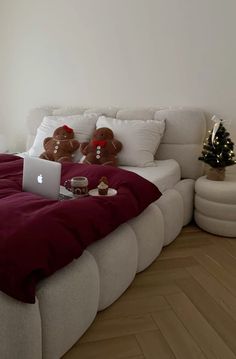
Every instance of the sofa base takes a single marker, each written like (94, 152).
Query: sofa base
(67, 302)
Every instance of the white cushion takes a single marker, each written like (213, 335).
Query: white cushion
(172, 208)
(149, 230)
(186, 190)
(20, 330)
(73, 291)
(140, 139)
(183, 126)
(186, 155)
(68, 111)
(215, 205)
(83, 126)
(116, 256)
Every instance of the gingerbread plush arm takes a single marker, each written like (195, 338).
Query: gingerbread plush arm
(45, 141)
(85, 148)
(117, 146)
(74, 144)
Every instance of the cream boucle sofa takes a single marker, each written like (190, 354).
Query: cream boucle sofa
(67, 302)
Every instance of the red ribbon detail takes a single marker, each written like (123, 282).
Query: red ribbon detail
(67, 129)
(99, 143)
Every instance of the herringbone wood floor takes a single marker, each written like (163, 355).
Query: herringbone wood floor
(183, 306)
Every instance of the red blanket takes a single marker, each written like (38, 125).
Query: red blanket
(38, 236)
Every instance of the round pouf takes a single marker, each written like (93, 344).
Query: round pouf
(215, 205)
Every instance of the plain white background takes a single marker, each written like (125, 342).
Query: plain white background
(116, 52)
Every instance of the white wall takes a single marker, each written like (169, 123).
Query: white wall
(116, 52)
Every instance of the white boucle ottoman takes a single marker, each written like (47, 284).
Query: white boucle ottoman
(215, 205)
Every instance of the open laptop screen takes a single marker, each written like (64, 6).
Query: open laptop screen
(41, 177)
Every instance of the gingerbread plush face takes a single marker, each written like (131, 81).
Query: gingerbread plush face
(63, 133)
(103, 133)
(61, 146)
(102, 149)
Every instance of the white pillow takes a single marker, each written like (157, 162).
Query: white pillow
(140, 139)
(83, 126)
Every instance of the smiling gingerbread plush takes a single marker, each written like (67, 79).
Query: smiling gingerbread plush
(61, 146)
(102, 149)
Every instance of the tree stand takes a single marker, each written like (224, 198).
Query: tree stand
(216, 173)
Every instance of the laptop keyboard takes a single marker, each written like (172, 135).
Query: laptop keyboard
(63, 197)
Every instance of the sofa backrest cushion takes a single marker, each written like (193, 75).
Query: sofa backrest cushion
(183, 138)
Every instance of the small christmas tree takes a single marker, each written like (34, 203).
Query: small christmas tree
(218, 150)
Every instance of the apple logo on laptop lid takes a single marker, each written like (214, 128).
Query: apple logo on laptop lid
(40, 179)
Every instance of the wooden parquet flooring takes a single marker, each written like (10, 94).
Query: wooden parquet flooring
(183, 306)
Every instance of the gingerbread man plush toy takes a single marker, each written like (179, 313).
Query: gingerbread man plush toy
(61, 146)
(102, 149)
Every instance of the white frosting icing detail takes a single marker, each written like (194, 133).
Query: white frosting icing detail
(102, 185)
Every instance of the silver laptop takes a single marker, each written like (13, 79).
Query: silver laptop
(43, 177)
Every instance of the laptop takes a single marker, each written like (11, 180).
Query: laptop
(43, 177)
